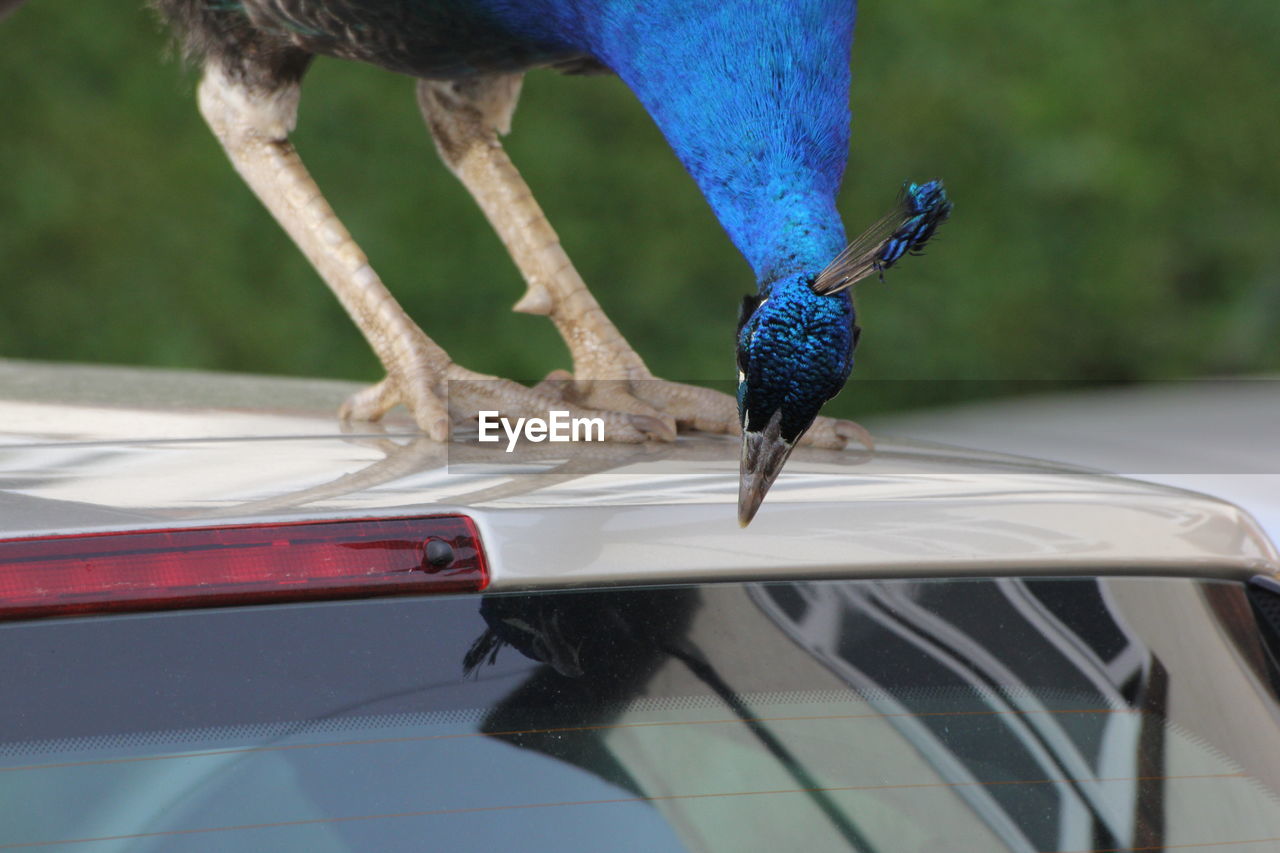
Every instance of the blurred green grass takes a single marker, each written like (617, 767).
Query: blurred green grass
(1114, 167)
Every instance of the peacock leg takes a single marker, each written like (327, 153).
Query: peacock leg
(466, 118)
(253, 124)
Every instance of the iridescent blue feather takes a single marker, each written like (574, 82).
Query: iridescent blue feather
(921, 208)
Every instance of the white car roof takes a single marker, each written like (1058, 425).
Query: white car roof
(1216, 436)
(92, 449)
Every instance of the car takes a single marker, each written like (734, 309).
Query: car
(1211, 435)
(228, 622)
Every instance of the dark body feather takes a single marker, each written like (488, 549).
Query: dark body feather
(270, 41)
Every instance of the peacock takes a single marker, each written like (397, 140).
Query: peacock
(752, 96)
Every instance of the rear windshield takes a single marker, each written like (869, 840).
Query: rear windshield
(949, 715)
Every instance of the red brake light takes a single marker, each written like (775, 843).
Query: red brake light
(293, 561)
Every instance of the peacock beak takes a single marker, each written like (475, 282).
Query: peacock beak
(763, 455)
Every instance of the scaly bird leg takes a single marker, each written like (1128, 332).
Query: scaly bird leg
(253, 127)
(466, 117)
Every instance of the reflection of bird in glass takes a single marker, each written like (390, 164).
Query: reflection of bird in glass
(576, 634)
(753, 97)
(601, 649)
(536, 627)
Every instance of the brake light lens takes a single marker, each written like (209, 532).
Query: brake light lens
(245, 564)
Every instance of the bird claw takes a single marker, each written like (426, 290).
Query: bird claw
(369, 404)
(427, 408)
(634, 411)
(469, 393)
(692, 407)
(697, 408)
(614, 396)
(836, 434)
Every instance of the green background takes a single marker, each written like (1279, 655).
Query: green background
(1115, 167)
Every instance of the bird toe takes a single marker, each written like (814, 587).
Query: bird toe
(835, 434)
(370, 404)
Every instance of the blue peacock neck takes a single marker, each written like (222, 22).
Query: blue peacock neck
(760, 122)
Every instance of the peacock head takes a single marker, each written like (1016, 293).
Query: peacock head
(796, 340)
(795, 351)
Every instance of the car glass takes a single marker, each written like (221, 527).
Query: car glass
(961, 715)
